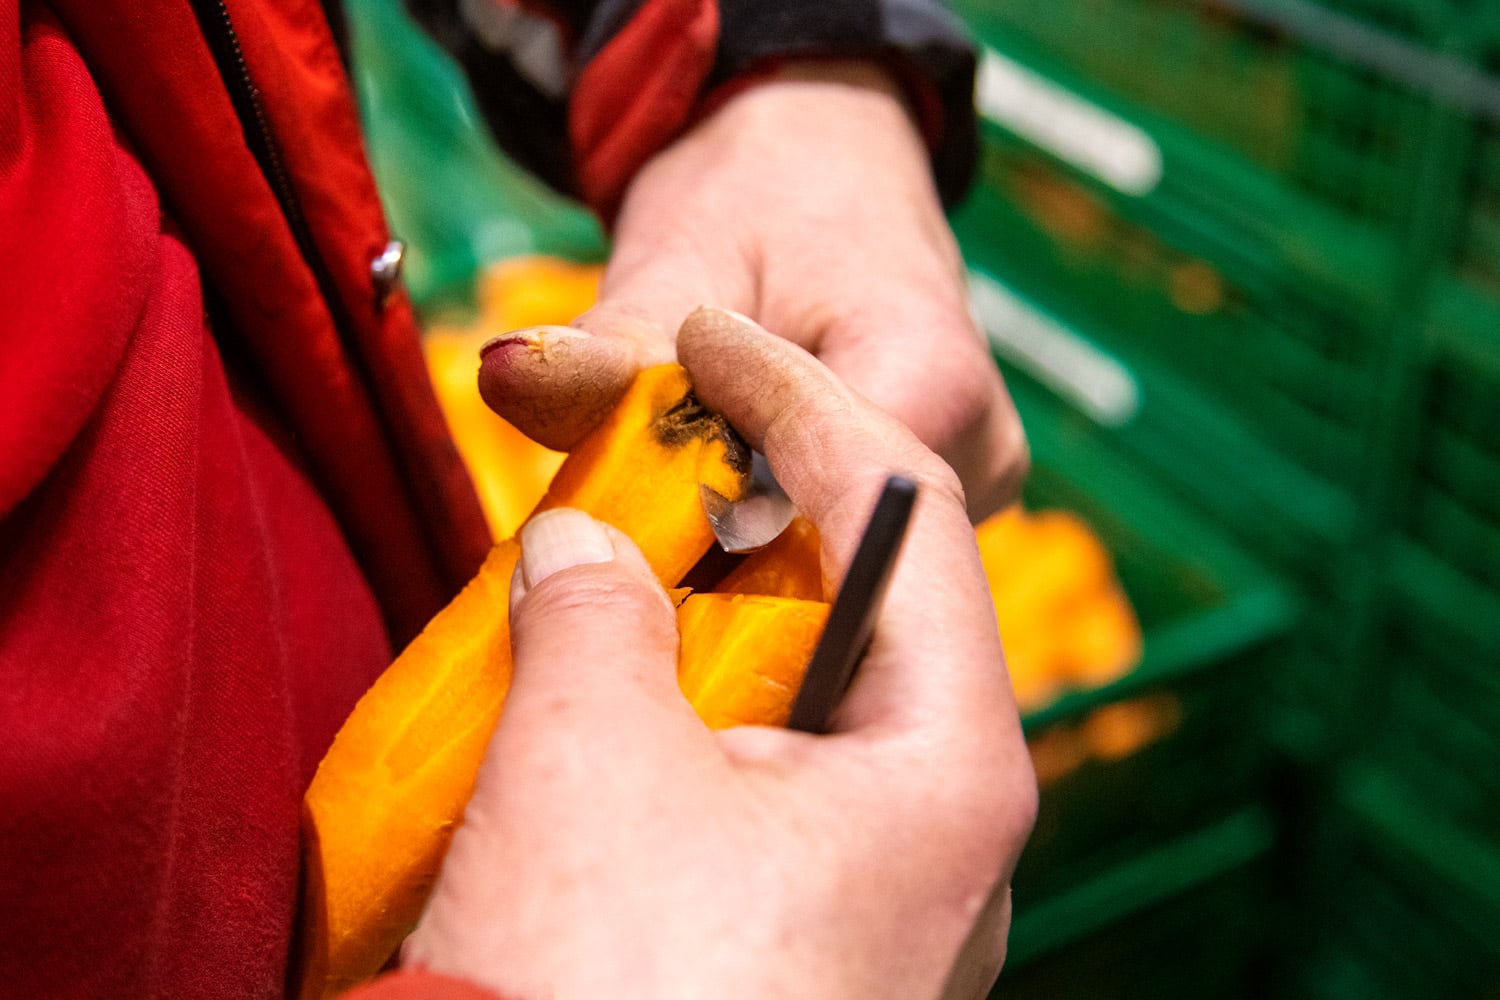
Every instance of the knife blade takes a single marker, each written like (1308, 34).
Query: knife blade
(755, 519)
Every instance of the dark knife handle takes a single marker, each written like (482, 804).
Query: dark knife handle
(851, 621)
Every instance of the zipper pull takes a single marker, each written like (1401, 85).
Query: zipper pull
(385, 270)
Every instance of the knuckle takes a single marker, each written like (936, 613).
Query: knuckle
(997, 808)
(940, 477)
(1017, 454)
(810, 422)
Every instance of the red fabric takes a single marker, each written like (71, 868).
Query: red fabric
(199, 530)
(305, 93)
(415, 984)
(331, 388)
(638, 93)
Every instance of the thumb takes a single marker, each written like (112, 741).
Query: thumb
(594, 646)
(592, 723)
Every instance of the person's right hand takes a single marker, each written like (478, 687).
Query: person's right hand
(806, 202)
(616, 847)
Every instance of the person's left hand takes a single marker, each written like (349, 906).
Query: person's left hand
(615, 846)
(807, 203)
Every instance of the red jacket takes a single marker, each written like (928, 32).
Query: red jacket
(215, 517)
(219, 510)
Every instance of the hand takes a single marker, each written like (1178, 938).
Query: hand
(616, 847)
(806, 203)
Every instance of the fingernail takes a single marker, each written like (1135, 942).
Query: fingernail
(739, 316)
(532, 338)
(739, 319)
(561, 539)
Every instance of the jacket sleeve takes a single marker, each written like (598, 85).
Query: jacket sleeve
(583, 92)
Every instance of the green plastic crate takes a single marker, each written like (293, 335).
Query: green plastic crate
(1208, 613)
(1449, 558)
(1267, 121)
(1107, 811)
(1290, 365)
(1396, 906)
(1441, 745)
(1434, 657)
(1454, 513)
(1241, 79)
(1199, 597)
(1264, 450)
(1244, 76)
(1468, 294)
(1376, 928)
(1478, 260)
(1439, 731)
(1182, 920)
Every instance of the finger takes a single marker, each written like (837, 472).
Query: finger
(557, 382)
(594, 648)
(935, 656)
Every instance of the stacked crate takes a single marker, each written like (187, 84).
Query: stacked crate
(1251, 248)
(1152, 834)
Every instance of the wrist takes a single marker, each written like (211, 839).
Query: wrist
(888, 77)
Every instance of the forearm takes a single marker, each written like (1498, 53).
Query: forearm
(585, 93)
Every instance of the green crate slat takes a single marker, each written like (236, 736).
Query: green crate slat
(1439, 746)
(1184, 433)
(1476, 261)
(1135, 894)
(1467, 542)
(1372, 942)
(1446, 630)
(1439, 727)
(1460, 612)
(1451, 873)
(1107, 811)
(1208, 613)
(1459, 465)
(1452, 519)
(1394, 903)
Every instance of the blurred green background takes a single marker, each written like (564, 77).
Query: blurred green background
(1240, 263)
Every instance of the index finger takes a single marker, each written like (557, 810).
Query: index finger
(556, 383)
(935, 657)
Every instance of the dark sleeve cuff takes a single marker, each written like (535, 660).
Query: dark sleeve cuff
(584, 92)
(674, 60)
(920, 42)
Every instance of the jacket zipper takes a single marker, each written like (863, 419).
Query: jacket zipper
(218, 31)
(217, 26)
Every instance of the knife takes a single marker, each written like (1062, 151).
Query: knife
(851, 620)
(755, 519)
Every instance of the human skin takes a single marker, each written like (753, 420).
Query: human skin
(805, 202)
(617, 847)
